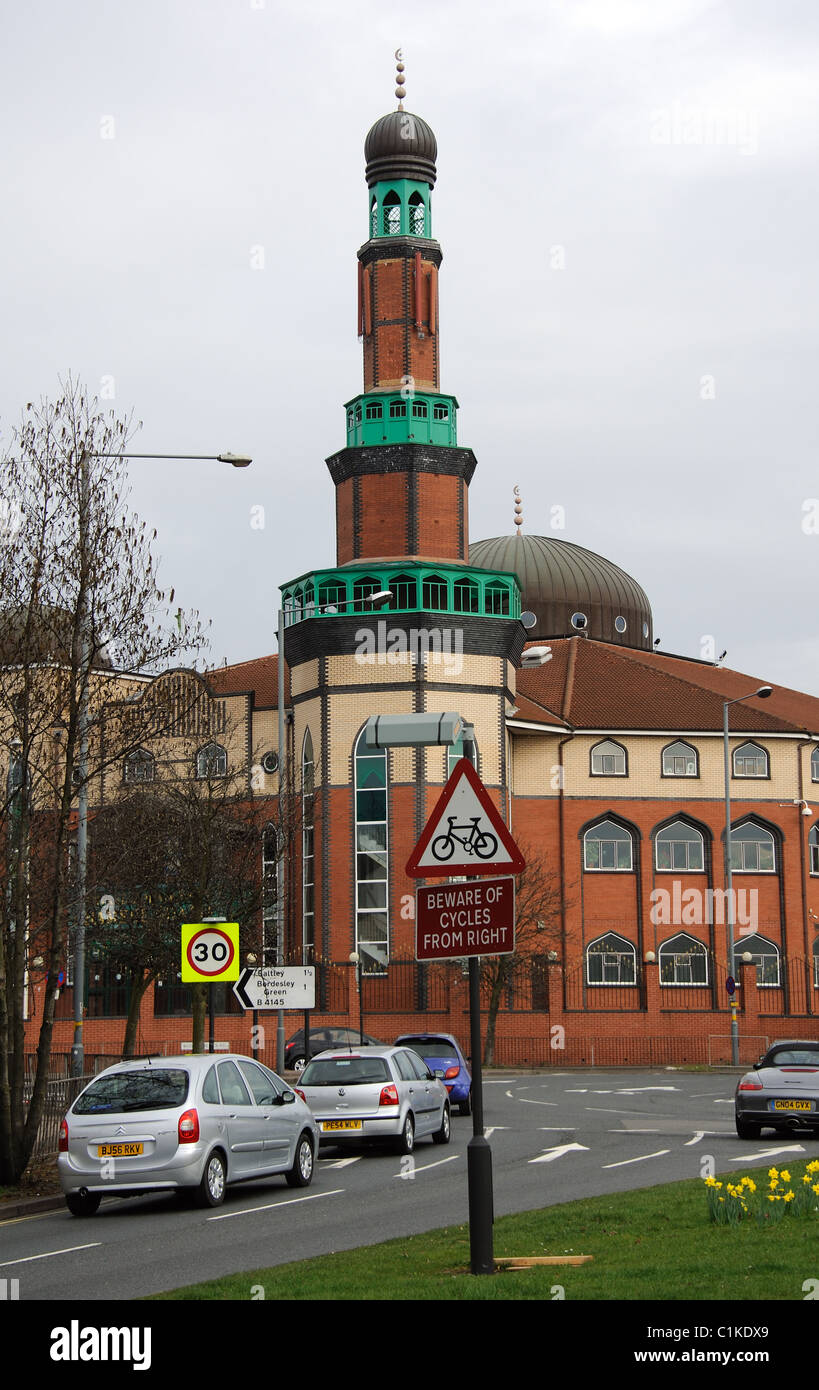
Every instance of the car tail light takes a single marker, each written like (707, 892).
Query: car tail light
(389, 1095)
(62, 1146)
(300, 1093)
(750, 1086)
(450, 1072)
(189, 1127)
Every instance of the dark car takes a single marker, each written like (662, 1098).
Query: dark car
(445, 1059)
(320, 1040)
(782, 1091)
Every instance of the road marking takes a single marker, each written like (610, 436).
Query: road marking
(524, 1100)
(46, 1255)
(698, 1135)
(641, 1159)
(560, 1129)
(427, 1166)
(249, 1211)
(634, 1131)
(35, 1216)
(637, 1090)
(340, 1162)
(768, 1153)
(559, 1151)
(700, 1095)
(492, 1128)
(723, 1102)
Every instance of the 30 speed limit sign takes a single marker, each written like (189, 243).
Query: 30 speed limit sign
(210, 951)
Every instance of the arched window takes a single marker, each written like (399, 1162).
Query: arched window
(611, 960)
(681, 847)
(608, 759)
(816, 963)
(417, 213)
(270, 892)
(398, 410)
(362, 588)
(139, 766)
(211, 761)
(680, 760)
(420, 410)
(330, 593)
(750, 761)
(375, 410)
(466, 596)
(814, 765)
(308, 863)
(404, 588)
(752, 849)
(607, 847)
(374, 217)
(813, 846)
(391, 225)
(497, 598)
(372, 850)
(765, 956)
(683, 961)
(435, 592)
(440, 411)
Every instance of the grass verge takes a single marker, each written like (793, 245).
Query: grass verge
(653, 1243)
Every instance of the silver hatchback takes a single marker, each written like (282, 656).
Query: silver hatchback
(376, 1093)
(191, 1122)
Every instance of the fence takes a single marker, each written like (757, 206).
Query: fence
(60, 1094)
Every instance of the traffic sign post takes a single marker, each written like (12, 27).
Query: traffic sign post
(210, 952)
(277, 987)
(466, 835)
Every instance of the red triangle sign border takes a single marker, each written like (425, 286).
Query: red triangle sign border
(514, 865)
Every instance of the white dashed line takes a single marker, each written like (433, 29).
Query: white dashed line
(641, 1159)
(46, 1255)
(271, 1206)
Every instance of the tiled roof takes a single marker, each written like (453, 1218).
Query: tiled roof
(596, 685)
(260, 677)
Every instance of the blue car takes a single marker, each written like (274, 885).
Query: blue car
(443, 1056)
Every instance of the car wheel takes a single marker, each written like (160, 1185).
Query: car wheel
(465, 1106)
(298, 1063)
(301, 1174)
(442, 1135)
(211, 1190)
(406, 1143)
(748, 1129)
(82, 1203)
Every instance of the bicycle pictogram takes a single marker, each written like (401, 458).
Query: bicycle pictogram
(479, 842)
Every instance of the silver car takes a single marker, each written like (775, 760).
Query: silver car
(375, 1093)
(192, 1122)
(782, 1091)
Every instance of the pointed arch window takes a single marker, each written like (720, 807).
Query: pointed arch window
(417, 213)
(683, 961)
(331, 592)
(372, 857)
(270, 892)
(435, 593)
(611, 960)
(765, 956)
(750, 760)
(607, 847)
(139, 766)
(308, 862)
(404, 588)
(608, 759)
(211, 762)
(814, 765)
(391, 209)
(813, 847)
(466, 596)
(680, 760)
(679, 847)
(362, 588)
(752, 849)
(374, 217)
(375, 410)
(497, 598)
(816, 963)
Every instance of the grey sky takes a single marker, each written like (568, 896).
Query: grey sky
(627, 207)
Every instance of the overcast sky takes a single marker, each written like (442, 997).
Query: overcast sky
(627, 207)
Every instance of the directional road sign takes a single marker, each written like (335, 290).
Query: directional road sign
(465, 919)
(277, 987)
(210, 951)
(465, 833)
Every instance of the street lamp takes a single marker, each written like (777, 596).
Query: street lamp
(355, 959)
(376, 600)
(78, 1048)
(761, 693)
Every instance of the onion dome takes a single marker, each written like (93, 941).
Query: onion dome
(570, 590)
(400, 146)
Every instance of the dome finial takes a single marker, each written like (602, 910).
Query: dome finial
(400, 89)
(518, 508)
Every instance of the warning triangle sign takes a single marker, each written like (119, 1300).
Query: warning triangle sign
(465, 833)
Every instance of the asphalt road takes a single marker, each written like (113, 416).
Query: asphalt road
(555, 1136)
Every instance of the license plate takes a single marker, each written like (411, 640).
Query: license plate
(791, 1104)
(118, 1150)
(327, 1125)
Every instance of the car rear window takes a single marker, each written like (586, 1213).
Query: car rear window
(345, 1071)
(429, 1047)
(157, 1089)
(795, 1057)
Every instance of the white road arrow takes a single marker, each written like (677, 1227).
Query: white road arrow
(558, 1152)
(768, 1153)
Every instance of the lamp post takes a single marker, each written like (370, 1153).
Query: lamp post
(355, 959)
(762, 692)
(376, 600)
(236, 461)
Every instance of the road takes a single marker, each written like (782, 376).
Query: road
(555, 1136)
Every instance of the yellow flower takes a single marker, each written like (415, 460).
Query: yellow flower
(785, 1175)
(711, 1182)
(789, 1196)
(749, 1183)
(773, 1172)
(814, 1166)
(815, 1188)
(806, 1177)
(771, 1197)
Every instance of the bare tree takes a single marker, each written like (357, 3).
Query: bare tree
(80, 612)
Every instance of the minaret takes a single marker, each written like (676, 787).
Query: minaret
(401, 482)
